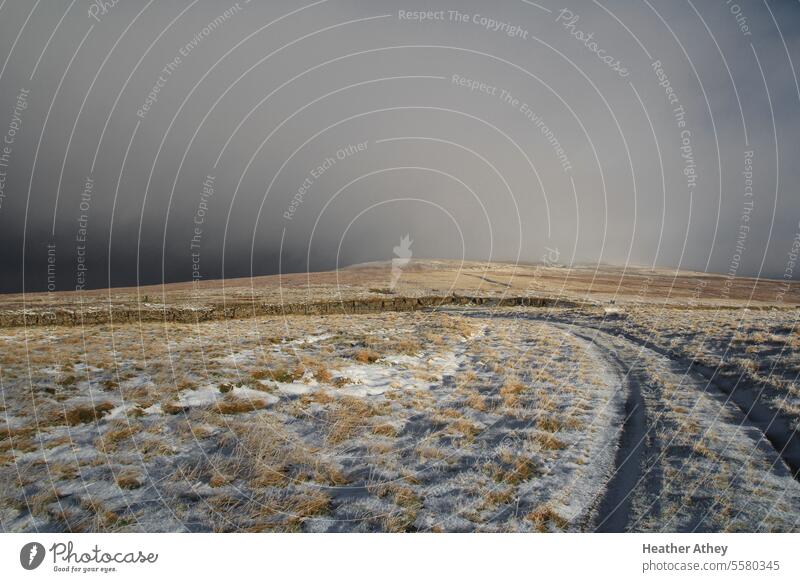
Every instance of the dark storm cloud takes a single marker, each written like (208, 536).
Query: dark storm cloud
(164, 140)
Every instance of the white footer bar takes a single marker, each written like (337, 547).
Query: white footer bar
(386, 557)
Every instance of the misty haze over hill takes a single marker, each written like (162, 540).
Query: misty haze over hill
(148, 142)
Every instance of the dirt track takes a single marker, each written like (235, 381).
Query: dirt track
(691, 447)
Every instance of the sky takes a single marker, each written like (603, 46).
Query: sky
(147, 142)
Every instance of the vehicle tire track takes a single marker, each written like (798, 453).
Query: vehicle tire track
(710, 447)
(745, 396)
(612, 510)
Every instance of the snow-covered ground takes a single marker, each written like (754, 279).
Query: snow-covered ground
(463, 420)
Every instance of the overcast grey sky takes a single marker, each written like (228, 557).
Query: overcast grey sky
(150, 141)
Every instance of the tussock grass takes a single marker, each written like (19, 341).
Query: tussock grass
(366, 356)
(430, 452)
(521, 469)
(544, 518)
(399, 522)
(128, 479)
(119, 431)
(465, 427)
(319, 396)
(407, 346)
(266, 456)
(39, 503)
(347, 418)
(282, 375)
(233, 405)
(477, 402)
(219, 480)
(303, 506)
(173, 408)
(406, 499)
(548, 442)
(501, 496)
(83, 413)
(510, 392)
(322, 374)
(549, 423)
(386, 430)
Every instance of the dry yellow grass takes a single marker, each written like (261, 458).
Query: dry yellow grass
(476, 402)
(322, 374)
(319, 396)
(270, 476)
(510, 392)
(347, 418)
(128, 479)
(83, 413)
(218, 480)
(465, 427)
(407, 346)
(386, 430)
(544, 518)
(548, 442)
(303, 506)
(366, 356)
(233, 405)
(120, 431)
(267, 457)
(429, 452)
(549, 423)
(173, 408)
(501, 496)
(522, 469)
